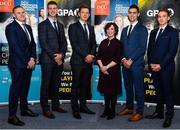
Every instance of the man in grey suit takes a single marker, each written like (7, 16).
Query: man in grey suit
(53, 43)
(82, 39)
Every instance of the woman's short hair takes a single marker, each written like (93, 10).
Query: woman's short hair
(108, 25)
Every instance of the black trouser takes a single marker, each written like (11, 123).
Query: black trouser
(19, 88)
(80, 86)
(110, 103)
(163, 81)
(51, 74)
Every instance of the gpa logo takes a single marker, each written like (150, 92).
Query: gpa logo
(67, 12)
(152, 13)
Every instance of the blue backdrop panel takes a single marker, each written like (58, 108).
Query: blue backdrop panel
(5, 79)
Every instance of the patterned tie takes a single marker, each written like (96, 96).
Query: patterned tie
(129, 31)
(55, 27)
(85, 31)
(27, 34)
(159, 34)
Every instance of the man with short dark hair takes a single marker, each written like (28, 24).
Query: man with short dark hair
(162, 49)
(54, 45)
(134, 39)
(22, 56)
(82, 39)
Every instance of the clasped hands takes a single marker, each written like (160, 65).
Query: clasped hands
(89, 58)
(58, 58)
(104, 70)
(31, 63)
(155, 67)
(127, 63)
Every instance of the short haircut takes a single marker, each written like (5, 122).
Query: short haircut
(134, 7)
(108, 25)
(16, 7)
(83, 6)
(51, 3)
(164, 9)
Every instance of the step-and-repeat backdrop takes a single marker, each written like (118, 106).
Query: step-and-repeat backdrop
(102, 11)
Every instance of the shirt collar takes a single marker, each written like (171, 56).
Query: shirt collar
(82, 22)
(19, 22)
(134, 24)
(163, 27)
(52, 20)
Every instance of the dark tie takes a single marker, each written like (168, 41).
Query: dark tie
(55, 27)
(159, 34)
(129, 31)
(25, 30)
(85, 31)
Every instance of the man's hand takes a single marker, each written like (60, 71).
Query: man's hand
(89, 58)
(31, 63)
(155, 67)
(58, 58)
(127, 63)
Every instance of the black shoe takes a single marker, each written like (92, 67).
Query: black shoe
(49, 114)
(59, 109)
(86, 110)
(155, 115)
(110, 117)
(167, 122)
(29, 113)
(14, 120)
(104, 114)
(76, 115)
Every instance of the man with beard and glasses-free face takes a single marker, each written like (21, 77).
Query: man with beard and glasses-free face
(162, 49)
(22, 55)
(53, 43)
(82, 39)
(134, 39)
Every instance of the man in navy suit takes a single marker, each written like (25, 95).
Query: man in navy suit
(22, 56)
(162, 49)
(134, 39)
(53, 43)
(82, 39)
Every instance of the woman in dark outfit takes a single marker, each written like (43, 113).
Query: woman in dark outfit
(109, 59)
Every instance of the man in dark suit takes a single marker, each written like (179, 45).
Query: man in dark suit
(162, 49)
(53, 43)
(134, 39)
(22, 55)
(82, 39)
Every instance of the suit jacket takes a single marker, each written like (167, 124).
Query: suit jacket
(81, 46)
(50, 41)
(20, 50)
(135, 46)
(163, 51)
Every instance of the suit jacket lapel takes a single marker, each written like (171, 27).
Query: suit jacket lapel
(21, 29)
(50, 25)
(134, 29)
(82, 29)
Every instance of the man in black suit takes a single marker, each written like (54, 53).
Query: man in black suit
(22, 55)
(53, 43)
(162, 49)
(82, 39)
